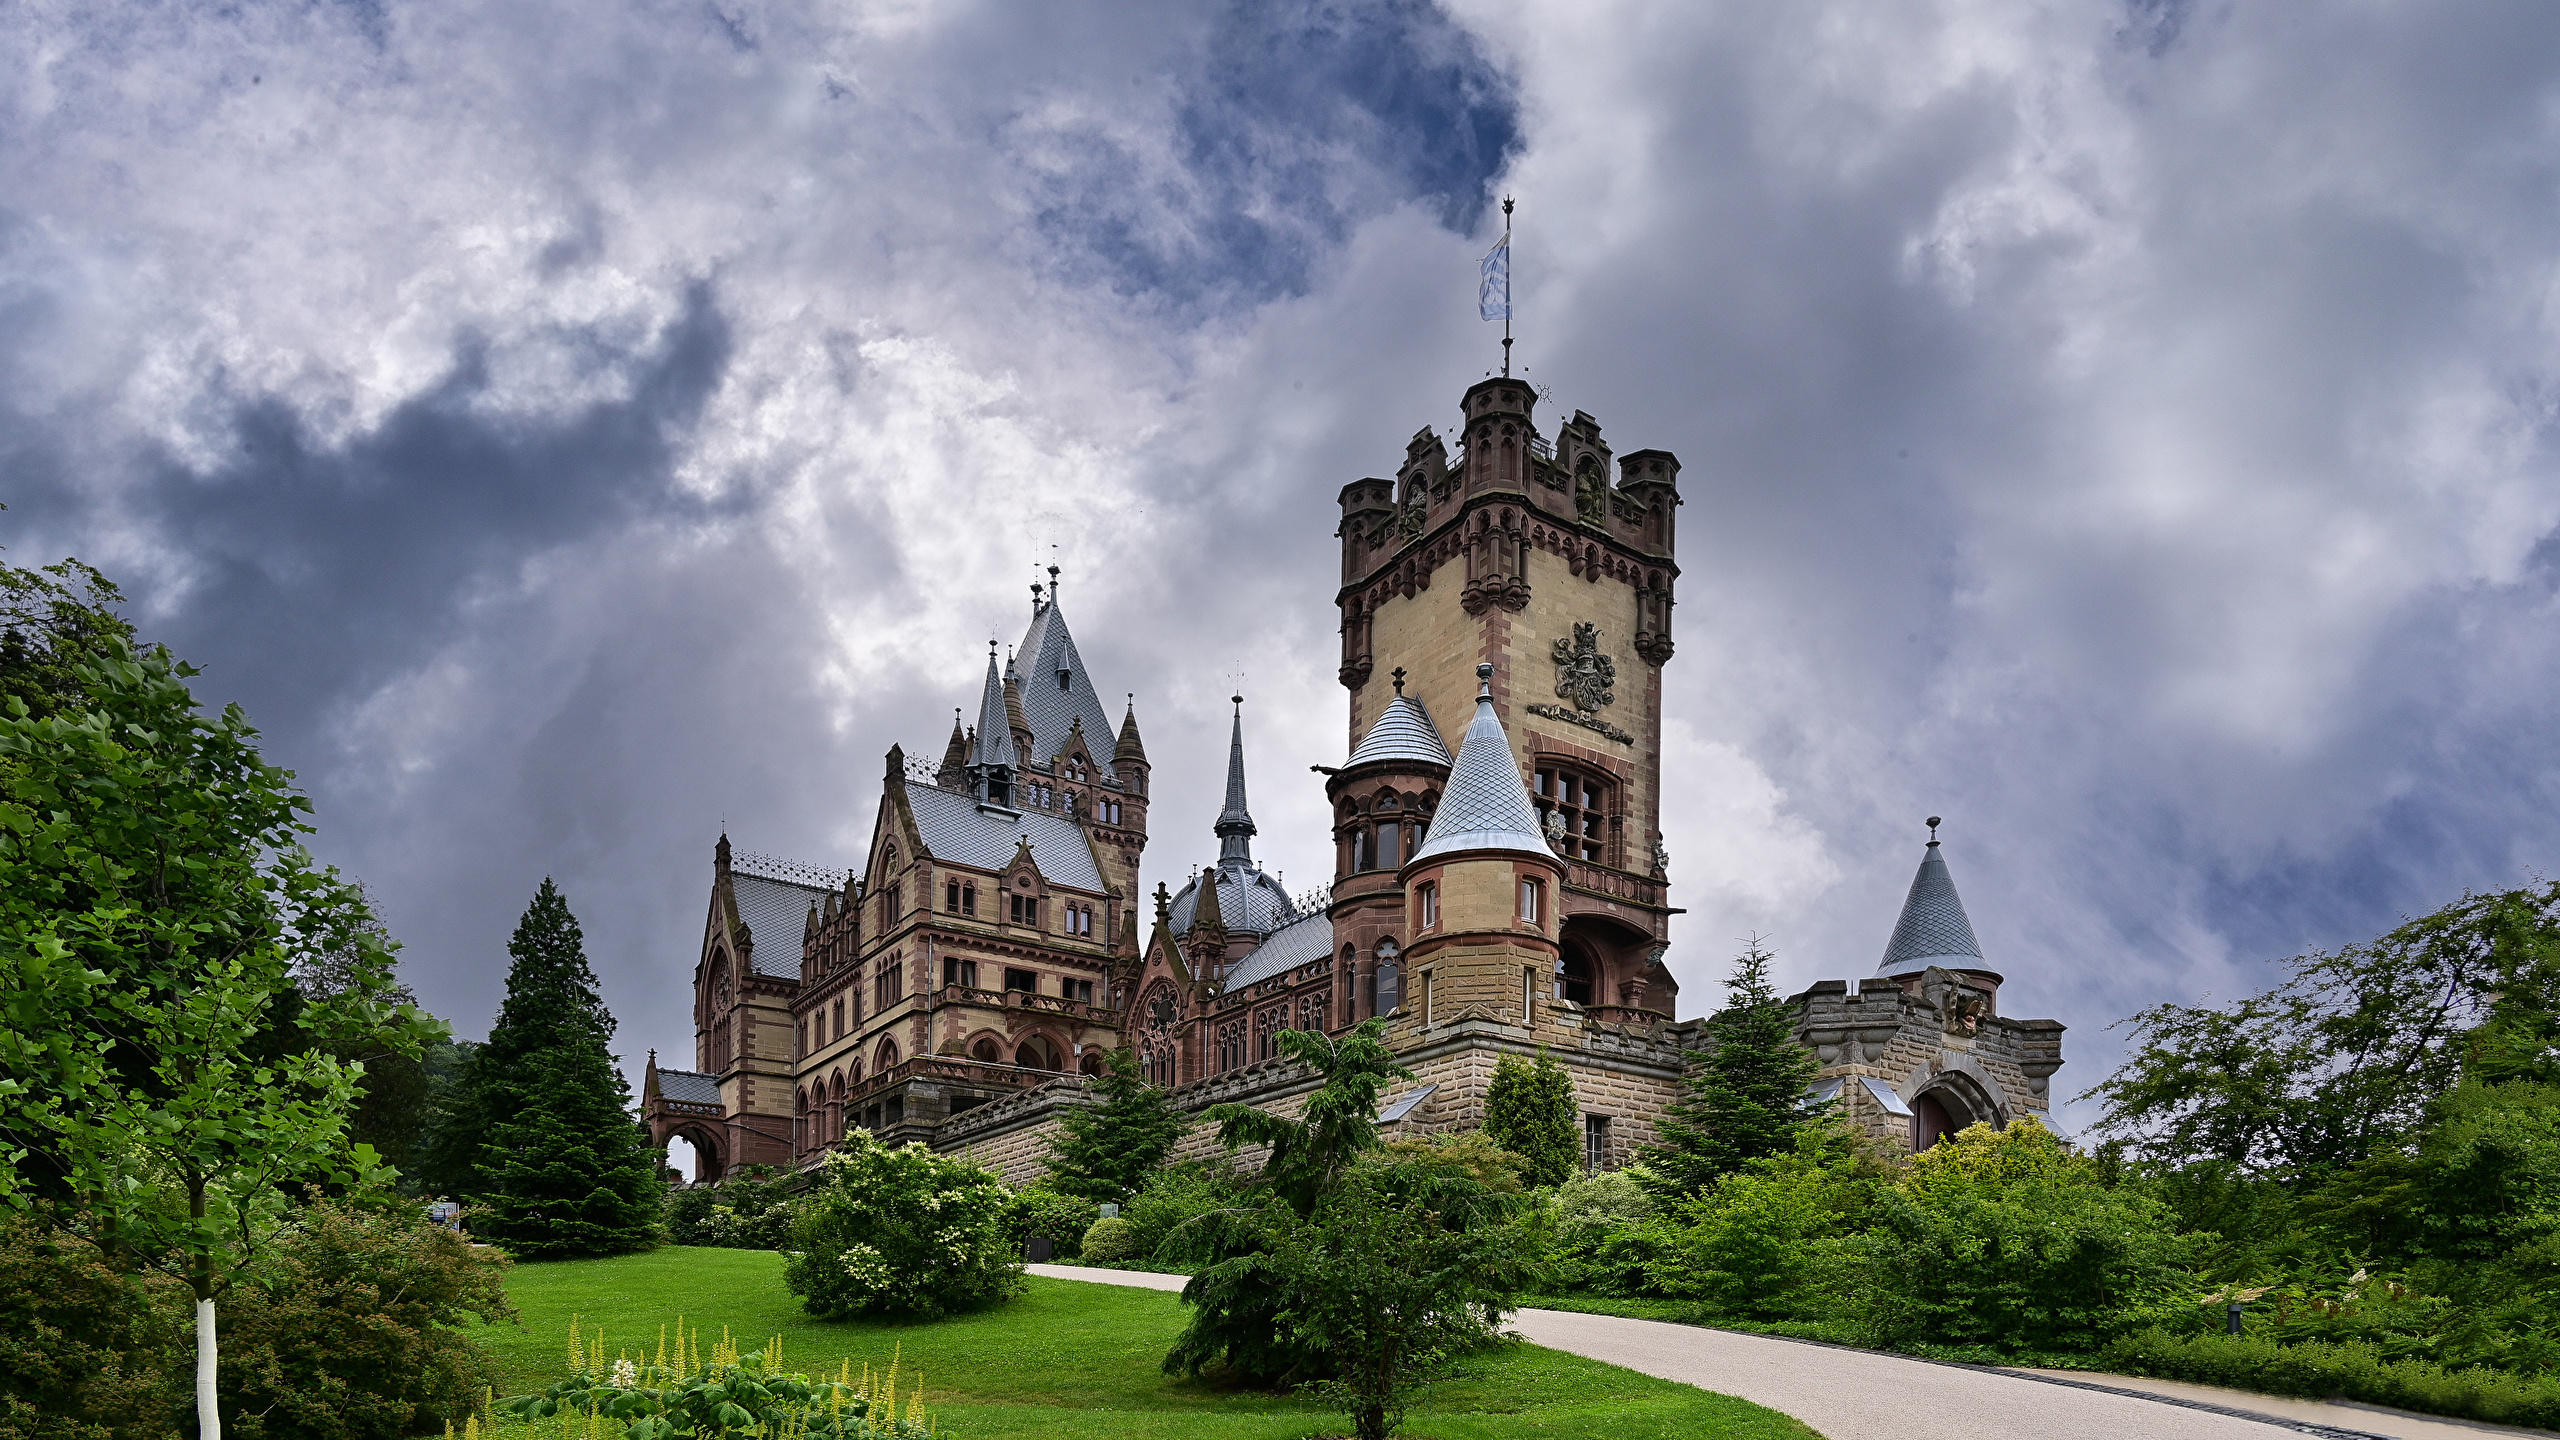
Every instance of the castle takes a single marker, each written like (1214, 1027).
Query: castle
(1500, 884)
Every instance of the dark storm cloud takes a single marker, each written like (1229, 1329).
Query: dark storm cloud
(2122, 429)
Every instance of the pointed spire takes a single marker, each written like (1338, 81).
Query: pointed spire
(1235, 823)
(955, 756)
(1486, 807)
(1015, 721)
(1208, 914)
(720, 852)
(1934, 929)
(995, 730)
(1130, 747)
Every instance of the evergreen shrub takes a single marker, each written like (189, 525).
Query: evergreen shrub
(1109, 1241)
(903, 1234)
(1591, 1220)
(1170, 1200)
(1037, 1210)
(1530, 1111)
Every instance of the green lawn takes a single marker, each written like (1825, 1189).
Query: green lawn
(1069, 1359)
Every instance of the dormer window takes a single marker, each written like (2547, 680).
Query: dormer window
(1066, 677)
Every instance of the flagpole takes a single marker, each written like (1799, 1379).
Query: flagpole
(1506, 286)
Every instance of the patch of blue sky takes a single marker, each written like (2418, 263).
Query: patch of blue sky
(1293, 124)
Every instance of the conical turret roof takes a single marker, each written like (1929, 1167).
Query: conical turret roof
(1933, 929)
(1485, 807)
(1130, 746)
(1404, 732)
(995, 728)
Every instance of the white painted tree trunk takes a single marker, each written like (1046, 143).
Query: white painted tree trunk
(208, 1419)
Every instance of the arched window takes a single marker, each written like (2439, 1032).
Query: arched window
(1574, 807)
(886, 1058)
(984, 1048)
(1091, 1064)
(1577, 979)
(1037, 1052)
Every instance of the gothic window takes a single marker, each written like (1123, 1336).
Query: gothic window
(1575, 978)
(800, 1040)
(1573, 805)
(1157, 1014)
(1311, 1012)
(1266, 1031)
(1038, 1053)
(837, 1031)
(963, 973)
(1231, 1043)
(886, 1058)
(985, 1049)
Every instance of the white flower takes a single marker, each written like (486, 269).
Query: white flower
(625, 1375)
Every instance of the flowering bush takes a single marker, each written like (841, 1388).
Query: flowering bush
(902, 1233)
(725, 1396)
(1040, 1211)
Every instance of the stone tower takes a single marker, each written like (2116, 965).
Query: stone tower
(1523, 553)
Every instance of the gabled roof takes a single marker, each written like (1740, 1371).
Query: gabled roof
(773, 898)
(1302, 941)
(956, 829)
(1933, 929)
(1485, 807)
(1404, 732)
(1051, 709)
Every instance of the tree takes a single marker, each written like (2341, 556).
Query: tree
(1744, 1094)
(54, 621)
(1529, 1110)
(1239, 1303)
(568, 1172)
(155, 900)
(392, 1109)
(560, 1168)
(1108, 1150)
(2344, 1058)
(1389, 1287)
(902, 1233)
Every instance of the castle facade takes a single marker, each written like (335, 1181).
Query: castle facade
(1500, 885)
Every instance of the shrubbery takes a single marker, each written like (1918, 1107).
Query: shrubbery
(352, 1329)
(84, 1353)
(1109, 1241)
(1038, 1211)
(901, 1233)
(2352, 1370)
(747, 1210)
(1170, 1200)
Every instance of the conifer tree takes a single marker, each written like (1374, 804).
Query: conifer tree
(1744, 1093)
(1110, 1149)
(569, 1173)
(1529, 1110)
(540, 1134)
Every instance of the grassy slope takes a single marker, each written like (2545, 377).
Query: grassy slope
(1079, 1360)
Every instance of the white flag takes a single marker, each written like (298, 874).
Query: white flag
(1493, 290)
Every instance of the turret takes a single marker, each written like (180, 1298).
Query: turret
(994, 763)
(1933, 929)
(1482, 891)
(954, 771)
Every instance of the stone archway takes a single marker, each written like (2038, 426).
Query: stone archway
(1951, 1101)
(709, 1163)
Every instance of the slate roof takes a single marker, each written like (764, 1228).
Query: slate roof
(1047, 651)
(1249, 901)
(689, 1087)
(1933, 929)
(1302, 941)
(777, 914)
(955, 829)
(1485, 807)
(1404, 732)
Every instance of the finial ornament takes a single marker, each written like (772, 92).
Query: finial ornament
(1934, 822)
(1484, 680)
(1399, 674)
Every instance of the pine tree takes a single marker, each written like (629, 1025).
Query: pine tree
(1110, 1149)
(551, 997)
(569, 1173)
(1529, 1110)
(1745, 1091)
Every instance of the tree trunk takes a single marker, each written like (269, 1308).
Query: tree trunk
(208, 1418)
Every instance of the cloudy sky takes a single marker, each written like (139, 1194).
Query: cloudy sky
(2122, 428)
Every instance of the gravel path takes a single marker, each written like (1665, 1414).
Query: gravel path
(1861, 1394)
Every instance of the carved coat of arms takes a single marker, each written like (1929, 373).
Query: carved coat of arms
(1584, 675)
